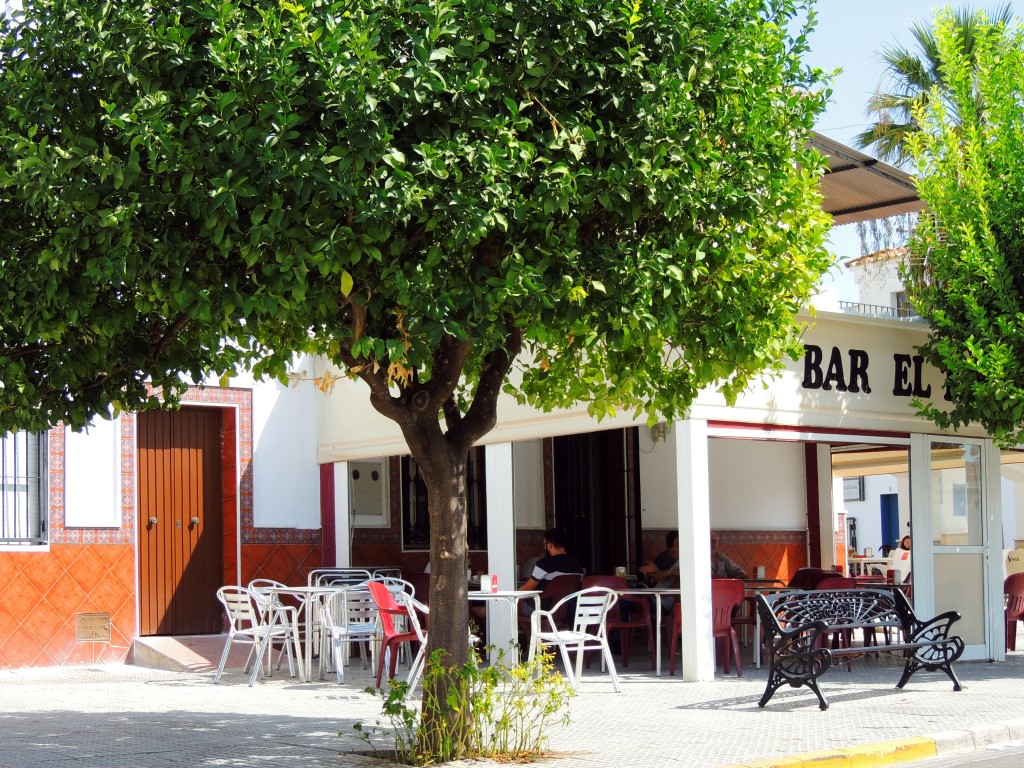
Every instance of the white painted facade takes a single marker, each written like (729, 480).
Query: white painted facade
(741, 466)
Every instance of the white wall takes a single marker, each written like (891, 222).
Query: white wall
(286, 478)
(659, 507)
(757, 484)
(528, 489)
(868, 513)
(92, 475)
(878, 284)
(754, 484)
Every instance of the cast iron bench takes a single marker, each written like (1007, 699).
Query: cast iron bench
(798, 623)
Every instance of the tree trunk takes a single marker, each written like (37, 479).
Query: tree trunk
(445, 476)
(442, 728)
(442, 457)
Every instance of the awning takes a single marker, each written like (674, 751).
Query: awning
(857, 187)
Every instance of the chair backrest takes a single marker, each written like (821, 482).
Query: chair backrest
(262, 585)
(240, 606)
(553, 590)
(615, 584)
(608, 582)
(413, 608)
(396, 585)
(1013, 588)
(590, 609)
(387, 607)
(350, 607)
(808, 578)
(262, 597)
(338, 576)
(837, 582)
(726, 595)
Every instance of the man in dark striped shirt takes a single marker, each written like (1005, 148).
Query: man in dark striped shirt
(555, 563)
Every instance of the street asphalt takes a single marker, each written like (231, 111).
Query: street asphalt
(129, 716)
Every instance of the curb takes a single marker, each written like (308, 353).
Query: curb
(905, 750)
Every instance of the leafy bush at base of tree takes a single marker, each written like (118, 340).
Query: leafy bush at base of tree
(495, 711)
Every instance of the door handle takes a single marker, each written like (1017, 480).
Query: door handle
(152, 521)
(195, 521)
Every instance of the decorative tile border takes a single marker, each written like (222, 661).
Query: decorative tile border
(250, 534)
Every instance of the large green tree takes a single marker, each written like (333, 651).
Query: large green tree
(617, 198)
(966, 275)
(913, 76)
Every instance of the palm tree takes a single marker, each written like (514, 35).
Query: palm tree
(910, 76)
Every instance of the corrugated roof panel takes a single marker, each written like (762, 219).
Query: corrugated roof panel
(857, 187)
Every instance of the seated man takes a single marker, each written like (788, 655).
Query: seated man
(664, 571)
(555, 563)
(722, 565)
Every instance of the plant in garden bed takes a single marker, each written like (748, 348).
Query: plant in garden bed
(497, 711)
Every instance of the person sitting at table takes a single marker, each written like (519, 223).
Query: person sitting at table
(555, 563)
(722, 566)
(664, 571)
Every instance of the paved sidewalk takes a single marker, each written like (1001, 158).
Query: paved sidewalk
(132, 717)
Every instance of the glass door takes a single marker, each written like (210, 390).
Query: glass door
(951, 537)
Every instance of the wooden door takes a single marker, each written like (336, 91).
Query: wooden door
(180, 523)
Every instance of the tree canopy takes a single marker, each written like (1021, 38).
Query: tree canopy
(616, 196)
(966, 275)
(913, 76)
(188, 187)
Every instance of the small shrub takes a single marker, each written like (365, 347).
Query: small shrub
(500, 711)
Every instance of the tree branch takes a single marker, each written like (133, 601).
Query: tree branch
(449, 359)
(483, 413)
(374, 376)
(167, 337)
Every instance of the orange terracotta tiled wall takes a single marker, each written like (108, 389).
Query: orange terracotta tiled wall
(44, 590)
(780, 552)
(43, 594)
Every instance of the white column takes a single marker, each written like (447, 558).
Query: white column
(994, 559)
(828, 518)
(342, 516)
(501, 537)
(694, 509)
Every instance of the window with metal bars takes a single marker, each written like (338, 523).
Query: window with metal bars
(416, 518)
(23, 488)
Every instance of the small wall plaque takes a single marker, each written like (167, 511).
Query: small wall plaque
(92, 627)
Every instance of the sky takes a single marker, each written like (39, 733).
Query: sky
(849, 35)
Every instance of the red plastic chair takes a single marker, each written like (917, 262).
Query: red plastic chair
(639, 615)
(1013, 588)
(726, 595)
(554, 590)
(392, 638)
(808, 578)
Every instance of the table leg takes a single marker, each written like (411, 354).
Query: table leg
(757, 638)
(306, 663)
(657, 636)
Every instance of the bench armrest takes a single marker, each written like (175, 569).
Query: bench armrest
(798, 639)
(934, 629)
